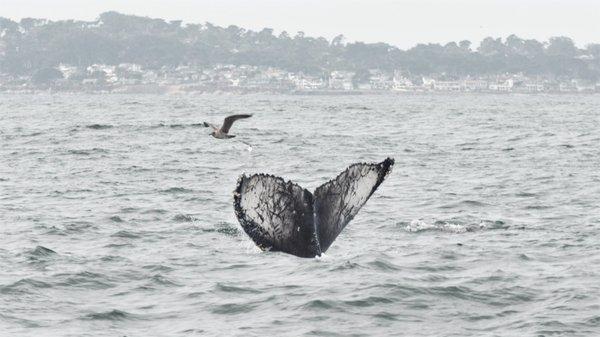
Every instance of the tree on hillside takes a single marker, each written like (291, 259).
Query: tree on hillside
(34, 44)
(46, 75)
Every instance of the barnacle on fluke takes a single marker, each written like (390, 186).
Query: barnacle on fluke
(282, 216)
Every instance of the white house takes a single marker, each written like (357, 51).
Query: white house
(447, 85)
(341, 80)
(475, 85)
(505, 86)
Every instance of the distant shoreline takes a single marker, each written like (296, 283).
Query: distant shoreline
(168, 92)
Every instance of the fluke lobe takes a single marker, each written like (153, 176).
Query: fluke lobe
(279, 215)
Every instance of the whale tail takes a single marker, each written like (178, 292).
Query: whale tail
(282, 216)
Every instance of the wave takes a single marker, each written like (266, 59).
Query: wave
(465, 203)
(85, 280)
(223, 228)
(34, 134)
(183, 218)
(357, 107)
(178, 125)
(79, 227)
(232, 308)
(113, 315)
(87, 152)
(154, 211)
(319, 304)
(79, 152)
(176, 190)
(158, 268)
(163, 281)
(42, 251)
(418, 225)
(369, 301)
(24, 286)
(382, 265)
(115, 218)
(99, 126)
(238, 290)
(125, 234)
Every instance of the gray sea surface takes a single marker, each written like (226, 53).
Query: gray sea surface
(116, 216)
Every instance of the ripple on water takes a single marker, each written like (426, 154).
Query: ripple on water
(115, 218)
(158, 268)
(184, 218)
(87, 152)
(154, 211)
(41, 255)
(235, 289)
(112, 315)
(41, 251)
(161, 280)
(346, 265)
(99, 126)
(126, 234)
(456, 226)
(369, 301)
(84, 280)
(78, 227)
(319, 304)
(223, 228)
(382, 265)
(176, 190)
(232, 308)
(20, 321)
(465, 204)
(24, 286)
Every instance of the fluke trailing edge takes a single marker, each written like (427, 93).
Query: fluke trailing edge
(282, 216)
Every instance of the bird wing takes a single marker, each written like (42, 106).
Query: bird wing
(228, 122)
(214, 127)
(339, 200)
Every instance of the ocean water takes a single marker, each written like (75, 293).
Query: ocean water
(116, 216)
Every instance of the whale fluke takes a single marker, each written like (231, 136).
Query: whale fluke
(279, 215)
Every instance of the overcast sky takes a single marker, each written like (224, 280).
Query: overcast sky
(403, 23)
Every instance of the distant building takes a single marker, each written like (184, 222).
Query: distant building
(534, 87)
(109, 72)
(302, 81)
(428, 83)
(505, 86)
(67, 70)
(401, 83)
(130, 67)
(380, 80)
(567, 86)
(584, 85)
(447, 85)
(341, 80)
(475, 85)
(364, 86)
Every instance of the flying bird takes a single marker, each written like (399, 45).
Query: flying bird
(223, 131)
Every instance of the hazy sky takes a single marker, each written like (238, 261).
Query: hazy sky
(402, 22)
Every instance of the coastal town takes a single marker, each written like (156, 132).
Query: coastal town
(134, 78)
